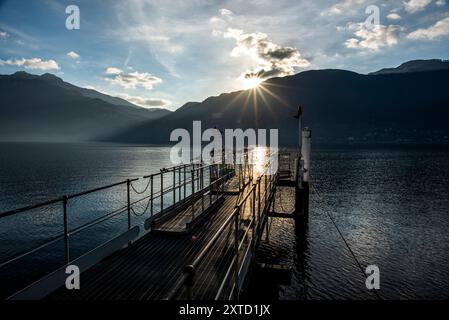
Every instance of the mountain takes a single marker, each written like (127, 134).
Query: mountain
(340, 106)
(90, 93)
(45, 108)
(417, 66)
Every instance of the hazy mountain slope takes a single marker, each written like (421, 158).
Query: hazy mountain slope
(417, 66)
(44, 108)
(339, 106)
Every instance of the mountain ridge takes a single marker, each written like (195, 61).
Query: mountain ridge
(45, 108)
(340, 106)
(419, 65)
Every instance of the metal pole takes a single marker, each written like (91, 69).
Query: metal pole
(265, 195)
(151, 195)
(128, 198)
(236, 253)
(202, 189)
(174, 186)
(240, 175)
(202, 178)
(66, 231)
(253, 207)
(258, 202)
(267, 208)
(202, 201)
(185, 180)
(179, 184)
(162, 191)
(193, 194)
(210, 185)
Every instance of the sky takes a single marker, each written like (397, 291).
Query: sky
(163, 53)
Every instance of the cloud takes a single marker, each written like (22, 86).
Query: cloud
(131, 80)
(440, 2)
(393, 16)
(439, 29)
(272, 60)
(73, 55)
(225, 12)
(33, 63)
(342, 7)
(112, 70)
(375, 38)
(413, 6)
(145, 102)
(4, 35)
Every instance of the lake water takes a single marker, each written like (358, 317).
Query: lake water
(392, 206)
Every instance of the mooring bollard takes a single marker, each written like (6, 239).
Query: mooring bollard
(190, 280)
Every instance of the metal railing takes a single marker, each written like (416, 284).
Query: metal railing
(182, 183)
(210, 193)
(246, 225)
(162, 193)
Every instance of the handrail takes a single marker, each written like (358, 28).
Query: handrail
(54, 201)
(80, 194)
(76, 195)
(28, 208)
(187, 278)
(179, 182)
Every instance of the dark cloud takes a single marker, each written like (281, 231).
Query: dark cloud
(273, 60)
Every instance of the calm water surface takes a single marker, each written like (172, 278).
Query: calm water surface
(392, 205)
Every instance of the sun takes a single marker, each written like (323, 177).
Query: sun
(251, 83)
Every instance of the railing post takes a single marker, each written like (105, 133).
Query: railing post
(66, 230)
(266, 191)
(236, 254)
(210, 185)
(179, 184)
(267, 210)
(202, 201)
(240, 176)
(202, 189)
(128, 200)
(174, 186)
(258, 201)
(253, 208)
(152, 194)
(202, 177)
(193, 194)
(185, 181)
(162, 191)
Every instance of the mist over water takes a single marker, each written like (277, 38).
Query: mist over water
(392, 206)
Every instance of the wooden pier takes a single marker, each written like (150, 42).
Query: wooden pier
(198, 244)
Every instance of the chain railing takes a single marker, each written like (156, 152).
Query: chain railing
(158, 194)
(246, 225)
(181, 183)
